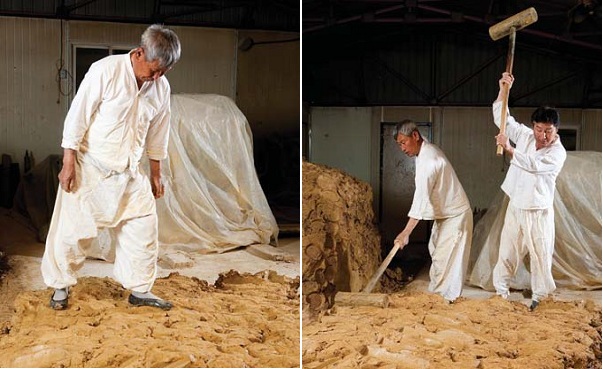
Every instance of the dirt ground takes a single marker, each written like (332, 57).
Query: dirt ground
(421, 330)
(248, 318)
(240, 321)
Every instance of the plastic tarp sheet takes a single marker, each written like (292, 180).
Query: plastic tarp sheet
(213, 200)
(577, 206)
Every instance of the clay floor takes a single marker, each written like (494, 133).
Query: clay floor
(235, 309)
(479, 330)
(250, 318)
(421, 282)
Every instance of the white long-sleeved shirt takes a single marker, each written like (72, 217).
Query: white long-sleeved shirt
(438, 192)
(530, 181)
(111, 120)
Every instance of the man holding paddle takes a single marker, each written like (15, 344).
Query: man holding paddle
(439, 196)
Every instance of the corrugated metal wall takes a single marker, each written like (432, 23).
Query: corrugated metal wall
(32, 109)
(441, 71)
(207, 63)
(465, 134)
(467, 138)
(591, 130)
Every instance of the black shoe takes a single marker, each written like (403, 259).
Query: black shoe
(534, 305)
(59, 304)
(159, 303)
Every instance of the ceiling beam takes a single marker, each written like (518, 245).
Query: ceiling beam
(63, 11)
(545, 86)
(404, 79)
(468, 77)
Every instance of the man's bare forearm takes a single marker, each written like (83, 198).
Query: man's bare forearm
(155, 167)
(67, 173)
(69, 156)
(156, 185)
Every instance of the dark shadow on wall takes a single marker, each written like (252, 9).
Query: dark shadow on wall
(277, 164)
(37, 192)
(9, 180)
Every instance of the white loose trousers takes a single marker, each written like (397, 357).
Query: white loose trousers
(122, 201)
(526, 231)
(449, 247)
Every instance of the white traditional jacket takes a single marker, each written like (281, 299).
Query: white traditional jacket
(438, 192)
(111, 121)
(530, 181)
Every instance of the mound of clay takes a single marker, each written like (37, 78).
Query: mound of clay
(341, 243)
(243, 321)
(421, 330)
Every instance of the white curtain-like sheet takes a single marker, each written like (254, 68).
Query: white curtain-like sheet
(577, 205)
(213, 199)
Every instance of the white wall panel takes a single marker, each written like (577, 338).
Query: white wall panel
(340, 138)
(207, 63)
(31, 110)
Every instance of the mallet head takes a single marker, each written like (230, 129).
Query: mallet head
(518, 21)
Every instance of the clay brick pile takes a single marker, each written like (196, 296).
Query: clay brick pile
(340, 240)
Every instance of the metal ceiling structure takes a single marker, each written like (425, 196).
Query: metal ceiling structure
(276, 15)
(561, 22)
(381, 38)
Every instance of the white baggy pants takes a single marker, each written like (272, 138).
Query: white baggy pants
(449, 247)
(526, 231)
(121, 201)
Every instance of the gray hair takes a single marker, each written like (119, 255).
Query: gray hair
(160, 43)
(406, 128)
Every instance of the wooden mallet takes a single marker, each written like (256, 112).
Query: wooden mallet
(509, 27)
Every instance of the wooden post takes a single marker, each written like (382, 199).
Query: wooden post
(362, 299)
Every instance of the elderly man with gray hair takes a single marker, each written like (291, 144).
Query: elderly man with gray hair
(439, 196)
(121, 110)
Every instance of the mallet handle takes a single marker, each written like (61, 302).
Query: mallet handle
(505, 102)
